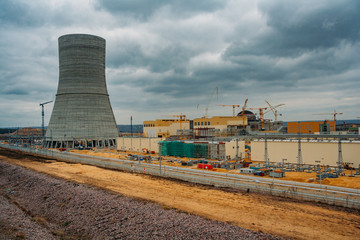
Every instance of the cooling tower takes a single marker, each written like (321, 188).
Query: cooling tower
(82, 111)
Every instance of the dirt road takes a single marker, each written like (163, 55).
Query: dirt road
(277, 216)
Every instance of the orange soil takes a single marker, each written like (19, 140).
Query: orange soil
(343, 181)
(277, 216)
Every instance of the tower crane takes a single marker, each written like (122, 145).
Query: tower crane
(334, 114)
(181, 117)
(216, 89)
(273, 109)
(42, 115)
(261, 114)
(243, 112)
(233, 106)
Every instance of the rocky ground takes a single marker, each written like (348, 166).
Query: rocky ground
(37, 206)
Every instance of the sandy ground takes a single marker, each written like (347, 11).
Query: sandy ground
(277, 216)
(64, 210)
(342, 181)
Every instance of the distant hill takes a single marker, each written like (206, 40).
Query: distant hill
(137, 128)
(338, 122)
(7, 130)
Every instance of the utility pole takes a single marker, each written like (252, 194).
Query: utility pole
(42, 115)
(267, 162)
(340, 158)
(131, 130)
(299, 161)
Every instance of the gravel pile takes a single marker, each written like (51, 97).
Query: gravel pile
(14, 223)
(71, 211)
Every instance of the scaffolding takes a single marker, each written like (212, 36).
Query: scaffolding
(181, 149)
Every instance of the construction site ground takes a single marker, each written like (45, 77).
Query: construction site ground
(281, 217)
(342, 181)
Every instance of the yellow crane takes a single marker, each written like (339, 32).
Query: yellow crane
(273, 109)
(181, 117)
(261, 114)
(233, 106)
(334, 114)
(243, 113)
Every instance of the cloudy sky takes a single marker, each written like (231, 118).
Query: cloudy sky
(166, 57)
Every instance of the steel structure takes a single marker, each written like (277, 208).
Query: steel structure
(42, 117)
(339, 196)
(82, 112)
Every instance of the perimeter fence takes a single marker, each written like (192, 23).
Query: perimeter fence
(339, 196)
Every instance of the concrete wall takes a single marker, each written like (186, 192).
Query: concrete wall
(137, 144)
(326, 152)
(152, 144)
(230, 148)
(171, 128)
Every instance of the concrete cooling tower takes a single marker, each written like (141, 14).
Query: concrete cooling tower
(82, 112)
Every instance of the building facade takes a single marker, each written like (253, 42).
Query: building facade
(311, 127)
(219, 126)
(164, 128)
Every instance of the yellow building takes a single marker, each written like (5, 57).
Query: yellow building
(165, 127)
(311, 127)
(218, 125)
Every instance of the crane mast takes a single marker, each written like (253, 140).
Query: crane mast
(42, 116)
(212, 95)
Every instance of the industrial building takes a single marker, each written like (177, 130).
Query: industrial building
(312, 151)
(164, 128)
(323, 151)
(82, 113)
(311, 127)
(138, 144)
(230, 149)
(219, 126)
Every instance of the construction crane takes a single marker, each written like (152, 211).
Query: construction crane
(216, 89)
(181, 117)
(233, 106)
(42, 115)
(261, 114)
(273, 109)
(334, 114)
(243, 112)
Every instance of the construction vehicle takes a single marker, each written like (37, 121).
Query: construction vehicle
(346, 165)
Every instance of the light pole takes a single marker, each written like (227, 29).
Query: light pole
(319, 162)
(160, 144)
(283, 163)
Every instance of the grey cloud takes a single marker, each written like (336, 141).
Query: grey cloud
(294, 31)
(170, 58)
(143, 9)
(33, 14)
(14, 91)
(326, 36)
(16, 13)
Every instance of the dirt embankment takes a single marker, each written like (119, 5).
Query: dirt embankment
(38, 206)
(274, 215)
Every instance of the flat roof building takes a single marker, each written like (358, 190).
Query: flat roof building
(165, 127)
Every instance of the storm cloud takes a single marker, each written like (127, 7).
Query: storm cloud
(166, 57)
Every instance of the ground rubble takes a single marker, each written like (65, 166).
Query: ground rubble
(38, 206)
